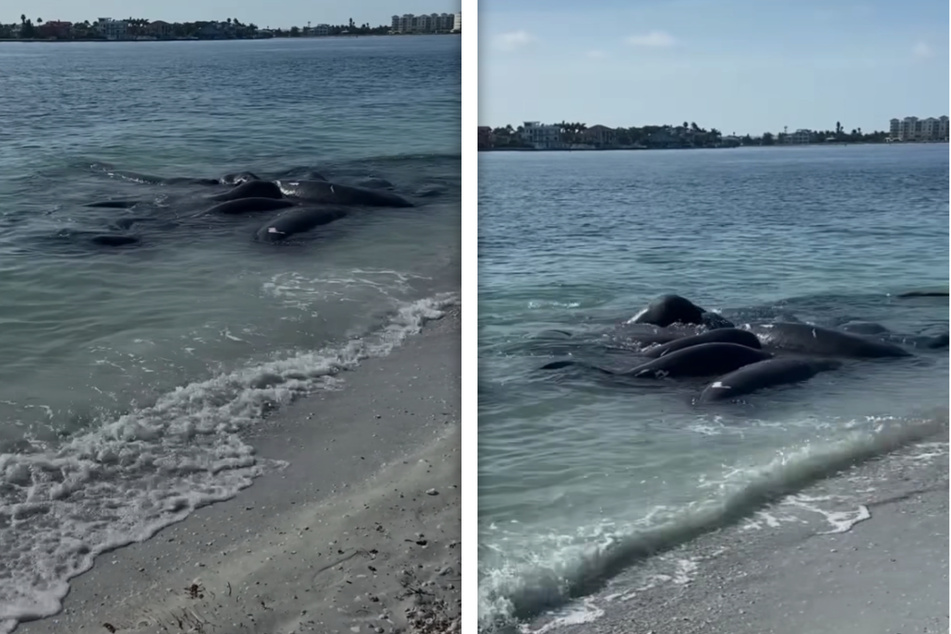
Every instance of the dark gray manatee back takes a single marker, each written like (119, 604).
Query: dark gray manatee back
(705, 359)
(764, 374)
(810, 339)
(296, 221)
(332, 193)
(722, 335)
(249, 205)
(238, 178)
(251, 189)
(674, 309)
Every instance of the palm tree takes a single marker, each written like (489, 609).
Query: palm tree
(39, 20)
(23, 19)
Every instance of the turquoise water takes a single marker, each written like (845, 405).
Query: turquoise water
(130, 373)
(576, 475)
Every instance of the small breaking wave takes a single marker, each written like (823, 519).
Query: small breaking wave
(511, 594)
(61, 506)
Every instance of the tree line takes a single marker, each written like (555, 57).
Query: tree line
(233, 29)
(684, 135)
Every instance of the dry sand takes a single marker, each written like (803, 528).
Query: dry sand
(887, 574)
(359, 533)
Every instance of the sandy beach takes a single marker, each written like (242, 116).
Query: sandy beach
(355, 527)
(875, 564)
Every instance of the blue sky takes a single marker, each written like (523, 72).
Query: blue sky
(744, 66)
(279, 13)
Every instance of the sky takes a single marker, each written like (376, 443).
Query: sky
(741, 66)
(274, 13)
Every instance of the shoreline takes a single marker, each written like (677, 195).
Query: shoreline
(878, 562)
(738, 147)
(361, 528)
(212, 39)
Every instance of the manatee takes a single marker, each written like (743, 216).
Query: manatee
(764, 374)
(249, 205)
(238, 178)
(705, 359)
(816, 340)
(332, 193)
(674, 309)
(251, 189)
(297, 221)
(726, 335)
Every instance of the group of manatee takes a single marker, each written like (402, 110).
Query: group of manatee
(303, 204)
(681, 339)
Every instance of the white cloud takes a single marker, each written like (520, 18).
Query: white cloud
(514, 40)
(922, 50)
(596, 54)
(654, 39)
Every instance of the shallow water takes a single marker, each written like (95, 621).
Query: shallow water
(128, 373)
(580, 477)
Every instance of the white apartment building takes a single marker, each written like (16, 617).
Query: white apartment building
(112, 29)
(431, 23)
(915, 129)
(457, 22)
(799, 137)
(541, 136)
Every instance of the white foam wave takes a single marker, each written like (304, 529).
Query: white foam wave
(131, 476)
(515, 590)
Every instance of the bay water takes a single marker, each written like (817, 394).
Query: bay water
(131, 374)
(581, 481)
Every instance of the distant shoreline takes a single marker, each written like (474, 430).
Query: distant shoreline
(643, 149)
(211, 39)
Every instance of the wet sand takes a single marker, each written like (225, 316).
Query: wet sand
(358, 531)
(886, 572)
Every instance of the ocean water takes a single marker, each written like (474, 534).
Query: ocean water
(131, 373)
(584, 483)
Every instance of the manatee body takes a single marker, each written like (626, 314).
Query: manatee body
(249, 205)
(375, 183)
(938, 342)
(809, 339)
(252, 189)
(764, 374)
(238, 178)
(297, 221)
(722, 335)
(332, 193)
(674, 309)
(705, 359)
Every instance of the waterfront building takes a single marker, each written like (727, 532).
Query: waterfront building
(801, 136)
(600, 136)
(915, 129)
(429, 23)
(112, 29)
(541, 136)
(160, 29)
